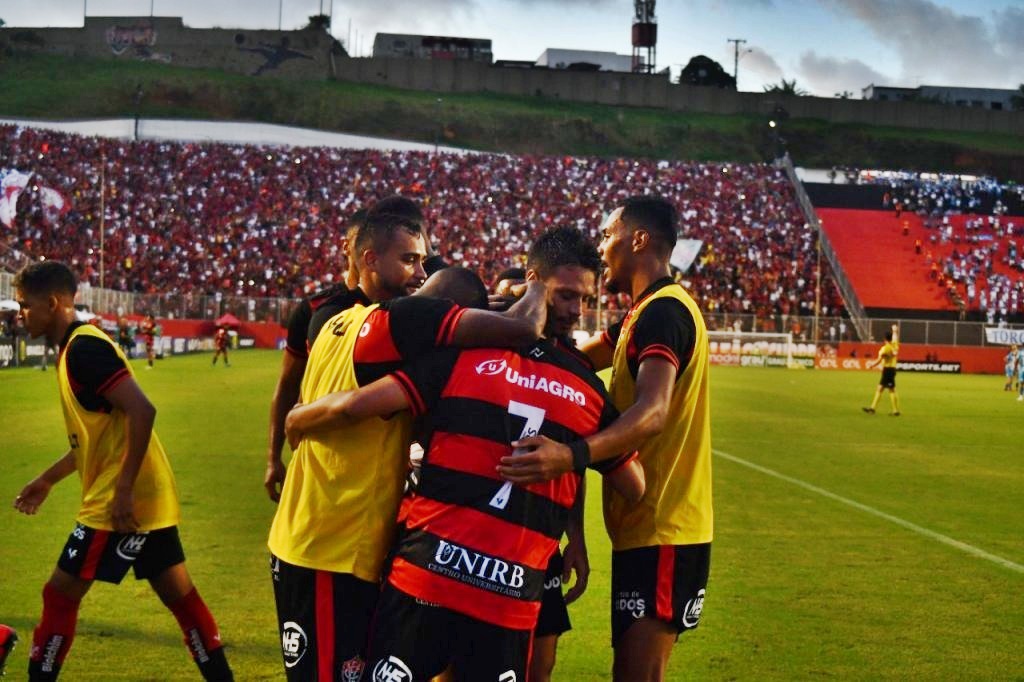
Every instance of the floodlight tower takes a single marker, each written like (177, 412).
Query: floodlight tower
(645, 36)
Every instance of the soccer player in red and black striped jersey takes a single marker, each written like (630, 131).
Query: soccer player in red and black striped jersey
(147, 329)
(568, 264)
(129, 512)
(465, 585)
(326, 573)
(378, 269)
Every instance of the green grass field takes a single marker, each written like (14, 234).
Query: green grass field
(804, 584)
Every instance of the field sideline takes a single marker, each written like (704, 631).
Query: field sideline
(829, 556)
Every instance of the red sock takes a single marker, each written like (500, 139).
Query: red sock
(196, 621)
(52, 639)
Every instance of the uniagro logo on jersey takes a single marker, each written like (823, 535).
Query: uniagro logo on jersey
(491, 368)
(293, 643)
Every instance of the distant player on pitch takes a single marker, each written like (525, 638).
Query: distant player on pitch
(220, 341)
(887, 358)
(129, 512)
(1013, 362)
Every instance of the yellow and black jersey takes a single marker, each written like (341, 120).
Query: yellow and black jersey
(888, 354)
(331, 300)
(676, 509)
(89, 366)
(340, 498)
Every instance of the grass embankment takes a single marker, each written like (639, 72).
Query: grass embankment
(51, 87)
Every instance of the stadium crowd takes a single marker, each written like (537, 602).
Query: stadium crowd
(262, 221)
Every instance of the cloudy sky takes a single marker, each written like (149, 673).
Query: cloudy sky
(828, 46)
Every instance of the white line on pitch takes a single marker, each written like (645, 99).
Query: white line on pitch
(944, 539)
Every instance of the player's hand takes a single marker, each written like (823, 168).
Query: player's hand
(576, 559)
(519, 290)
(122, 511)
(292, 433)
(545, 460)
(498, 303)
(32, 496)
(273, 479)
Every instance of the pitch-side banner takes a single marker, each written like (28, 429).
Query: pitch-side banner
(998, 336)
(685, 252)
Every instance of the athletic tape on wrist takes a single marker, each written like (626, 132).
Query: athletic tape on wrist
(580, 455)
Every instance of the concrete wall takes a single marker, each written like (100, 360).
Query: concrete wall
(307, 54)
(641, 90)
(285, 54)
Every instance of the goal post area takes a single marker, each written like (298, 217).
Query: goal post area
(759, 349)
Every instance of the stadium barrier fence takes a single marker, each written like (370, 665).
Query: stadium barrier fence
(276, 311)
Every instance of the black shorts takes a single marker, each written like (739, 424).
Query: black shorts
(106, 555)
(554, 614)
(323, 619)
(414, 640)
(888, 377)
(665, 582)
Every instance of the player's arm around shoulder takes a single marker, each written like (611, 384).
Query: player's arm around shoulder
(628, 479)
(520, 325)
(382, 398)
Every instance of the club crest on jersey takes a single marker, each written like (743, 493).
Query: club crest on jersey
(393, 669)
(491, 368)
(293, 643)
(130, 546)
(691, 614)
(352, 669)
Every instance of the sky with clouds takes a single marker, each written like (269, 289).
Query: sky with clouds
(828, 46)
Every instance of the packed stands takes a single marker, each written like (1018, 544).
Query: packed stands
(262, 221)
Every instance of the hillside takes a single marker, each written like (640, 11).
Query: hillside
(47, 87)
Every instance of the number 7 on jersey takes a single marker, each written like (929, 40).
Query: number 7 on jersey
(534, 417)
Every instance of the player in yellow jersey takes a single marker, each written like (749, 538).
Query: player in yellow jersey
(661, 546)
(337, 512)
(129, 512)
(888, 356)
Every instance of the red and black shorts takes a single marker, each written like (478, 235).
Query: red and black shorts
(665, 582)
(92, 554)
(888, 379)
(323, 619)
(554, 614)
(414, 640)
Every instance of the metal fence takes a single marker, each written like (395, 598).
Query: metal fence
(804, 328)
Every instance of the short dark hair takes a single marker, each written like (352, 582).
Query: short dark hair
(378, 231)
(654, 214)
(399, 206)
(356, 222)
(888, 335)
(45, 278)
(562, 246)
(511, 273)
(461, 285)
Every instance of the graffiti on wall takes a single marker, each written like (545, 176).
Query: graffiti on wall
(135, 41)
(274, 56)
